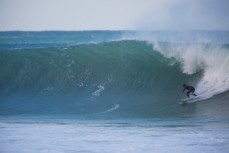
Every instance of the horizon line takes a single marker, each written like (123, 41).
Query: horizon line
(116, 30)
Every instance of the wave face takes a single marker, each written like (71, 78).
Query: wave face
(111, 74)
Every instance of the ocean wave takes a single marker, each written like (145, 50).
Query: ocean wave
(144, 77)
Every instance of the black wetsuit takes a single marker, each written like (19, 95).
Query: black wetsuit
(190, 90)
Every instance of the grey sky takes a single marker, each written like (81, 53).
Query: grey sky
(114, 15)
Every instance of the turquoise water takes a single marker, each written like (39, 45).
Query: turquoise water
(115, 91)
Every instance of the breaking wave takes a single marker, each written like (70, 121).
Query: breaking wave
(131, 77)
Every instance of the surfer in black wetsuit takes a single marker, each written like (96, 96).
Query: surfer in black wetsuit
(190, 89)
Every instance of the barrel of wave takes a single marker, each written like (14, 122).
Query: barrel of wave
(212, 60)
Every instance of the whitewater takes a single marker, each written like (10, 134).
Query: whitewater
(113, 91)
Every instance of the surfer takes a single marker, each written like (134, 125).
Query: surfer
(190, 89)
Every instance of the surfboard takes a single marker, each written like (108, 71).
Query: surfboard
(189, 100)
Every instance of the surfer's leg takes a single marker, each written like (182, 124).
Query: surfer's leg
(193, 92)
(190, 91)
(188, 94)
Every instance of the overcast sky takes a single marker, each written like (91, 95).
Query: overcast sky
(114, 15)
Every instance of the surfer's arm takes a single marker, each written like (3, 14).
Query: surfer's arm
(184, 89)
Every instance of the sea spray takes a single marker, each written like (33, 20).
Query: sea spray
(211, 59)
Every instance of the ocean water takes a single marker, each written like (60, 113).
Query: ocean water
(113, 91)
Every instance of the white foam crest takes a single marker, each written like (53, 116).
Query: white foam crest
(114, 107)
(211, 59)
(99, 90)
(215, 79)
